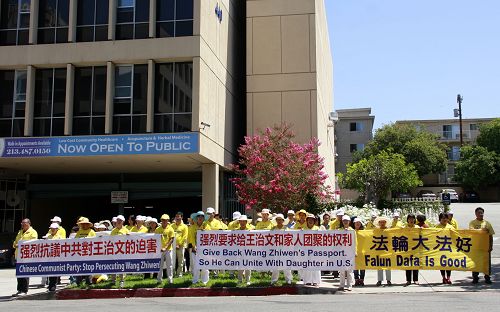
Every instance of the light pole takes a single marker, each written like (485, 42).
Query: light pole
(459, 113)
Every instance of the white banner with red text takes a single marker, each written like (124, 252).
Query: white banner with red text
(89, 256)
(276, 250)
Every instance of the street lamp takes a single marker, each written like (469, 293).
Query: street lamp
(458, 113)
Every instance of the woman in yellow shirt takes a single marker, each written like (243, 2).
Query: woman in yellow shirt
(443, 224)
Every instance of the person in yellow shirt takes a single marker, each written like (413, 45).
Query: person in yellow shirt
(233, 225)
(167, 237)
(266, 223)
(218, 217)
(61, 230)
(280, 226)
(453, 222)
(181, 236)
(26, 233)
(131, 222)
(337, 223)
(54, 233)
(396, 223)
(85, 231)
(311, 277)
(212, 222)
(370, 225)
(244, 226)
(443, 224)
(411, 224)
(139, 225)
(482, 225)
(301, 222)
(346, 275)
(199, 225)
(119, 229)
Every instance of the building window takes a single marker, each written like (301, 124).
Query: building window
(89, 103)
(130, 102)
(14, 22)
(132, 19)
(53, 20)
(13, 102)
(174, 18)
(173, 97)
(356, 147)
(50, 96)
(447, 132)
(454, 153)
(92, 20)
(473, 127)
(355, 126)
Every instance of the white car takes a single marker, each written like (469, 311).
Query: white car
(453, 194)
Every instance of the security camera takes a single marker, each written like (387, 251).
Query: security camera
(204, 125)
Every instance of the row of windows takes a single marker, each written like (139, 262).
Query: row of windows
(172, 109)
(174, 19)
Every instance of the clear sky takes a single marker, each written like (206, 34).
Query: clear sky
(408, 59)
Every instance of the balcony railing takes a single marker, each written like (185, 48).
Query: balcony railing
(455, 135)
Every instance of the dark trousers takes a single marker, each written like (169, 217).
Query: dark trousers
(22, 284)
(409, 274)
(359, 274)
(53, 281)
(80, 279)
(448, 273)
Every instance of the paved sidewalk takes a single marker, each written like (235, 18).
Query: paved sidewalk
(8, 284)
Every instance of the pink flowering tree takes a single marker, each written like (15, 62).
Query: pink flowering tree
(279, 174)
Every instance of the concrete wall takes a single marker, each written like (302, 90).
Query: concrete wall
(289, 70)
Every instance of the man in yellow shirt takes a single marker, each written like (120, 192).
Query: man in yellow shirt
(337, 223)
(396, 223)
(212, 222)
(482, 225)
(119, 230)
(266, 223)
(139, 225)
(244, 226)
(61, 231)
(301, 222)
(54, 233)
(453, 222)
(233, 225)
(167, 237)
(199, 225)
(181, 235)
(85, 231)
(369, 224)
(26, 233)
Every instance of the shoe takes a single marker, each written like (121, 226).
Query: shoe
(52, 289)
(170, 280)
(248, 283)
(445, 281)
(487, 280)
(416, 283)
(289, 282)
(349, 288)
(17, 294)
(180, 275)
(448, 281)
(408, 284)
(379, 283)
(22, 294)
(389, 283)
(315, 285)
(341, 288)
(475, 280)
(121, 284)
(361, 282)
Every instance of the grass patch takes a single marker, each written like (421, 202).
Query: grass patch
(227, 279)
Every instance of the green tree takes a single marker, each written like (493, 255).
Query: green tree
(478, 167)
(380, 174)
(420, 148)
(489, 136)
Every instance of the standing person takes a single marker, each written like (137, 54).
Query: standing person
(212, 222)
(443, 224)
(199, 225)
(381, 223)
(290, 221)
(359, 275)
(396, 223)
(61, 230)
(369, 224)
(119, 229)
(25, 234)
(85, 231)
(167, 237)
(181, 235)
(345, 275)
(233, 225)
(265, 223)
(131, 222)
(311, 277)
(337, 223)
(482, 225)
(410, 224)
(152, 225)
(280, 226)
(421, 221)
(54, 233)
(325, 224)
(139, 225)
(301, 222)
(453, 222)
(244, 226)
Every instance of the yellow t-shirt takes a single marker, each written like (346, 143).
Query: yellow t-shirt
(264, 225)
(284, 228)
(193, 230)
(85, 233)
(215, 224)
(181, 234)
(314, 228)
(370, 225)
(141, 229)
(58, 235)
(335, 224)
(61, 232)
(453, 223)
(248, 227)
(129, 227)
(476, 224)
(233, 225)
(167, 234)
(117, 231)
(300, 226)
(447, 226)
(30, 234)
(397, 224)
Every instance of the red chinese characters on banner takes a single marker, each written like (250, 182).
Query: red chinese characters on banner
(88, 248)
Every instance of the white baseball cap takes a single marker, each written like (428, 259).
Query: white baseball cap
(243, 218)
(265, 210)
(291, 212)
(100, 226)
(153, 220)
(279, 216)
(54, 226)
(140, 218)
(450, 212)
(236, 215)
(340, 212)
(210, 210)
(357, 220)
(346, 217)
(120, 217)
(56, 219)
(114, 219)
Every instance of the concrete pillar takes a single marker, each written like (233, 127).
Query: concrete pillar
(33, 32)
(30, 101)
(210, 186)
(112, 19)
(195, 113)
(151, 97)
(110, 94)
(68, 116)
(152, 18)
(73, 4)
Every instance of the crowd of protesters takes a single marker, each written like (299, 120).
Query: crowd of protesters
(184, 251)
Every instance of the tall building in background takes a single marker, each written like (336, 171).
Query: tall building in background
(138, 106)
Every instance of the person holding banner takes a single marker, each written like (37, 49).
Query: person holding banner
(167, 237)
(290, 221)
(54, 233)
(359, 275)
(280, 226)
(480, 224)
(139, 225)
(370, 225)
(381, 223)
(61, 231)
(301, 222)
(244, 226)
(443, 224)
(212, 222)
(325, 225)
(265, 223)
(26, 233)
(410, 224)
(345, 275)
(119, 230)
(131, 222)
(199, 225)
(421, 221)
(396, 223)
(311, 277)
(452, 221)
(181, 236)
(337, 223)
(233, 225)
(84, 231)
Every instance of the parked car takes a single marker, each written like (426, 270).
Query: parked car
(426, 194)
(469, 197)
(6, 251)
(453, 194)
